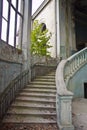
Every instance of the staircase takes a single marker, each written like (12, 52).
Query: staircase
(35, 105)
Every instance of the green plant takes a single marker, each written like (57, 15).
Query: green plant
(40, 40)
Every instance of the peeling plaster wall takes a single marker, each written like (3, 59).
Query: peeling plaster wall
(9, 53)
(67, 30)
(10, 64)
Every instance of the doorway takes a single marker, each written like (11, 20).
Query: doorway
(85, 90)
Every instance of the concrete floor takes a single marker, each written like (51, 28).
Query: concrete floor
(79, 109)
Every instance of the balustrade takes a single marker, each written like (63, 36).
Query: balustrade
(11, 91)
(65, 70)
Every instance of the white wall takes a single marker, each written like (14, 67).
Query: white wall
(47, 15)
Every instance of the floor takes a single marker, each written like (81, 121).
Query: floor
(79, 108)
(28, 127)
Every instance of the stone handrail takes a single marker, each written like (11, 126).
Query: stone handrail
(65, 70)
(63, 100)
(74, 63)
(12, 90)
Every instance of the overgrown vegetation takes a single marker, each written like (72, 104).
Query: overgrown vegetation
(40, 40)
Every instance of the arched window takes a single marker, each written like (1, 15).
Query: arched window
(43, 27)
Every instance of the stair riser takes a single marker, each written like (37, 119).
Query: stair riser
(33, 108)
(37, 100)
(35, 105)
(41, 87)
(45, 80)
(36, 96)
(46, 77)
(44, 102)
(33, 115)
(32, 91)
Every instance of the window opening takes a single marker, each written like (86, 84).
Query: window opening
(11, 21)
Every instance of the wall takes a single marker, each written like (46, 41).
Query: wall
(76, 84)
(14, 61)
(47, 16)
(10, 64)
(67, 31)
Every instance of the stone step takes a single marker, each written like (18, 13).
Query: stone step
(51, 74)
(29, 119)
(42, 83)
(41, 86)
(36, 107)
(37, 99)
(37, 95)
(30, 126)
(44, 79)
(31, 111)
(33, 107)
(38, 90)
(34, 101)
(34, 104)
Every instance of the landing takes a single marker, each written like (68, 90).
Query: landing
(80, 114)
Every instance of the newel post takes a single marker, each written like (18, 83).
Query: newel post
(64, 111)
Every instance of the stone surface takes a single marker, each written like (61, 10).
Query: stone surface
(80, 113)
(29, 127)
(34, 104)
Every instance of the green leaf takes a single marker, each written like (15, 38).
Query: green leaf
(40, 40)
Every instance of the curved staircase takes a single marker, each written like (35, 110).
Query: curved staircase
(35, 104)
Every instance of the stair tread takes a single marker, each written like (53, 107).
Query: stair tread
(28, 119)
(44, 79)
(28, 111)
(47, 76)
(41, 86)
(34, 104)
(36, 99)
(43, 82)
(38, 89)
(37, 94)
(40, 101)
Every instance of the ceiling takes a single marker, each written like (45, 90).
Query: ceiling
(81, 5)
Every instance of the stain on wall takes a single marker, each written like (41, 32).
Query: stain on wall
(9, 53)
(10, 64)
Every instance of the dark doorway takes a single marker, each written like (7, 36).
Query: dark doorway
(80, 19)
(85, 90)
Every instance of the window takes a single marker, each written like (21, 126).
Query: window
(43, 27)
(11, 21)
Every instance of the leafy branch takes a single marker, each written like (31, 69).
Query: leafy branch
(40, 40)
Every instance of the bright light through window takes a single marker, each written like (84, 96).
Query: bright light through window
(4, 30)
(5, 9)
(14, 3)
(11, 20)
(12, 26)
